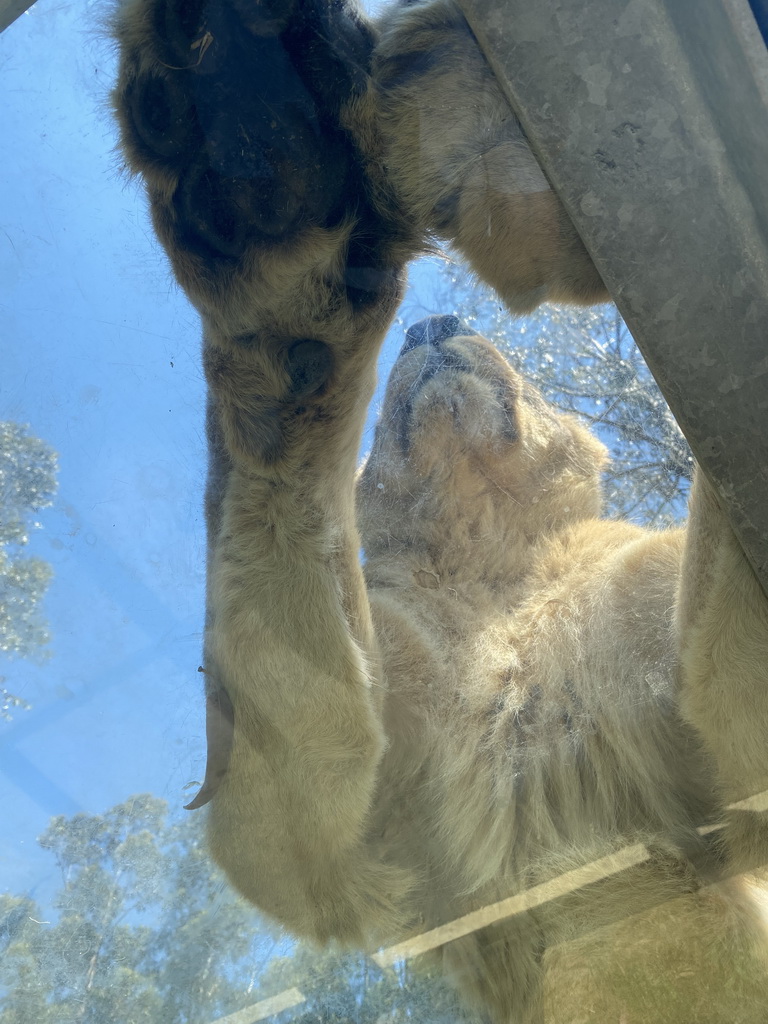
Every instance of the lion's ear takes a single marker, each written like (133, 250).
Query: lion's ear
(219, 730)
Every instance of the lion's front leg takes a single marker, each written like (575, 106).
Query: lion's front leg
(233, 113)
(460, 163)
(722, 618)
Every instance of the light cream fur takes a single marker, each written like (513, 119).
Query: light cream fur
(510, 686)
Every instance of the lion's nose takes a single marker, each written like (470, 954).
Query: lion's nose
(432, 330)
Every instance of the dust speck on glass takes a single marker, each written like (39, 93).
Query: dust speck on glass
(474, 770)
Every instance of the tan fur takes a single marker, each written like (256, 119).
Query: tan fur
(459, 161)
(511, 686)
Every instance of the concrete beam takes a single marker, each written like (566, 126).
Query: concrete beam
(10, 10)
(650, 118)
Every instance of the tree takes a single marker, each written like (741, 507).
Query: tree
(27, 484)
(137, 932)
(349, 989)
(585, 361)
(143, 930)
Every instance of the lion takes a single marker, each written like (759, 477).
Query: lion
(509, 687)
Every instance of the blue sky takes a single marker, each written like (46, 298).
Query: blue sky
(99, 355)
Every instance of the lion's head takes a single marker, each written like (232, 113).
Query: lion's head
(465, 447)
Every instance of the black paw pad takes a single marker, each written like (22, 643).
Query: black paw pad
(309, 365)
(163, 118)
(220, 215)
(266, 81)
(241, 106)
(368, 274)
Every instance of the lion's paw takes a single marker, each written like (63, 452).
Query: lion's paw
(245, 120)
(230, 110)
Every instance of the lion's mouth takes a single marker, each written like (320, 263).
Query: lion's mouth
(402, 424)
(428, 352)
(436, 361)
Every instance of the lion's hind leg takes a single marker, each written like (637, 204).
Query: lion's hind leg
(722, 620)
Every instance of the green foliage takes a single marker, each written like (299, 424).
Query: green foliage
(27, 481)
(347, 989)
(8, 700)
(137, 932)
(27, 484)
(23, 582)
(585, 361)
(143, 930)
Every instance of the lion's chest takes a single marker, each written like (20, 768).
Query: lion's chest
(519, 717)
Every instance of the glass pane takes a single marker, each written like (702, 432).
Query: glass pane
(548, 803)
